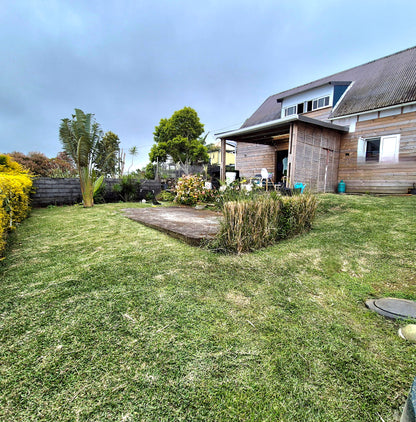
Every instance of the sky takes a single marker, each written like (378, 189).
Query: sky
(132, 63)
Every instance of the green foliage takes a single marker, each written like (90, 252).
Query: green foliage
(180, 138)
(252, 224)
(80, 137)
(106, 154)
(234, 192)
(128, 188)
(166, 195)
(150, 171)
(190, 190)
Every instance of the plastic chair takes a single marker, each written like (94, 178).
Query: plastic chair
(267, 177)
(300, 186)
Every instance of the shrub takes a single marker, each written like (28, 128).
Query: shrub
(15, 186)
(40, 165)
(128, 188)
(251, 224)
(190, 190)
(234, 192)
(166, 195)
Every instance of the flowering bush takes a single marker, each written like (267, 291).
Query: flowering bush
(15, 186)
(191, 189)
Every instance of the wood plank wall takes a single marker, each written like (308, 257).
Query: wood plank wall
(312, 146)
(394, 178)
(321, 114)
(251, 158)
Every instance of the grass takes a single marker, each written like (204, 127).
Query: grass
(102, 318)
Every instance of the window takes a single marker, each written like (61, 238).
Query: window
(290, 110)
(307, 106)
(372, 152)
(381, 149)
(320, 103)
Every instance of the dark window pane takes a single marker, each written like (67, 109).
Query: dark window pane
(373, 150)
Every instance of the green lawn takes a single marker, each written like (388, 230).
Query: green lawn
(103, 319)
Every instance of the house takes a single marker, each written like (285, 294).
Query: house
(214, 152)
(358, 125)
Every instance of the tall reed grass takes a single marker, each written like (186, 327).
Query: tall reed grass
(252, 224)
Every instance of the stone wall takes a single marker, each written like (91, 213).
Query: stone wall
(60, 191)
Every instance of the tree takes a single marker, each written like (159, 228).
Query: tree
(64, 166)
(80, 136)
(179, 137)
(40, 165)
(134, 152)
(106, 154)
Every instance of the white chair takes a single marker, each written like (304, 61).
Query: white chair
(264, 176)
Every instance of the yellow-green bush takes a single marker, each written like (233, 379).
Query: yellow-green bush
(15, 186)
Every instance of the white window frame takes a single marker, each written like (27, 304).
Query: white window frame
(326, 99)
(293, 109)
(389, 149)
(289, 112)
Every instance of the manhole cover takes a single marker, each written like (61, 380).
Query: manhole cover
(393, 308)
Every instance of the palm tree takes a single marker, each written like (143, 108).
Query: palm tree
(79, 138)
(133, 151)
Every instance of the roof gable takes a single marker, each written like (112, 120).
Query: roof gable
(380, 83)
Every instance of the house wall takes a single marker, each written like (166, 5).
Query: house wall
(251, 158)
(320, 114)
(394, 178)
(311, 94)
(215, 158)
(314, 157)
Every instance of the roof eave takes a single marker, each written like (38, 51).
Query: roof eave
(280, 122)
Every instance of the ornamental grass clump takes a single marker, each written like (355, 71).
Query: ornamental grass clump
(15, 186)
(252, 224)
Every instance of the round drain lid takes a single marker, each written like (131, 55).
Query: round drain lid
(393, 308)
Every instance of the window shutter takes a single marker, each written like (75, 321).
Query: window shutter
(361, 150)
(389, 149)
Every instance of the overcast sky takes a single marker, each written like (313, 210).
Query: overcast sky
(132, 63)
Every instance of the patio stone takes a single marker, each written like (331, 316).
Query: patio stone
(188, 224)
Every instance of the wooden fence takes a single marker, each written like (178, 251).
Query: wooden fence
(62, 191)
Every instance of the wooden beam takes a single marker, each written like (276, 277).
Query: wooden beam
(223, 159)
(283, 136)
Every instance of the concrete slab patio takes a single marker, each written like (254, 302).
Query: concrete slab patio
(188, 224)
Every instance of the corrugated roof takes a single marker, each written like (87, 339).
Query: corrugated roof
(388, 81)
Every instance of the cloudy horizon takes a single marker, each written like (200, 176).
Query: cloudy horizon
(132, 63)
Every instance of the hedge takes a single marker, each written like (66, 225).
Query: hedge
(15, 186)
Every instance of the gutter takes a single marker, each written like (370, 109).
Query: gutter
(373, 111)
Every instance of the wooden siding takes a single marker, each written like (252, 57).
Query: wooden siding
(394, 178)
(251, 158)
(321, 114)
(315, 152)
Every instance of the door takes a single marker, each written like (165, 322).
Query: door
(281, 165)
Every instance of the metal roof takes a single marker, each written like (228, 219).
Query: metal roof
(381, 83)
